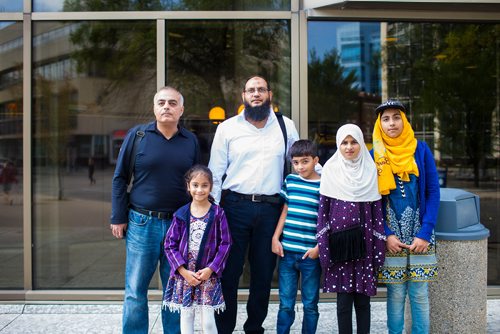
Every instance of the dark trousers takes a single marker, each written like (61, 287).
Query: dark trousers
(252, 226)
(344, 312)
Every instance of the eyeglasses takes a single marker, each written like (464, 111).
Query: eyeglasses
(261, 90)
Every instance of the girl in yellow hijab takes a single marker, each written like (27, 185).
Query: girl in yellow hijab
(408, 181)
(394, 146)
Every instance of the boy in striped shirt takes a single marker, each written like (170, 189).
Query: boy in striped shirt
(295, 240)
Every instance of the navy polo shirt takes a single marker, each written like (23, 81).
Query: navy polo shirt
(160, 165)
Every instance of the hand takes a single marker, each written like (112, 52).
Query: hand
(189, 276)
(394, 245)
(312, 253)
(204, 274)
(277, 248)
(419, 245)
(118, 230)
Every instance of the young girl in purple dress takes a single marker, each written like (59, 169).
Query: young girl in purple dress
(350, 206)
(197, 246)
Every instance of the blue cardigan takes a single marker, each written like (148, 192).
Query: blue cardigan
(428, 191)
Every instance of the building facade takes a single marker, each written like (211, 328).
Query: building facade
(76, 75)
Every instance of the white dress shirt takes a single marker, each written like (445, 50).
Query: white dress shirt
(251, 158)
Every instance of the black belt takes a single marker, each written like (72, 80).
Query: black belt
(273, 199)
(156, 214)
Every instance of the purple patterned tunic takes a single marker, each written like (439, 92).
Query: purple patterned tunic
(178, 293)
(359, 275)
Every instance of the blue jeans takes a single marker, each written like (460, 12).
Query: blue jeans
(419, 302)
(144, 239)
(252, 226)
(291, 266)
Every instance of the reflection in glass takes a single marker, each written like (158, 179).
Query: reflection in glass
(11, 155)
(209, 62)
(447, 74)
(156, 5)
(92, 82)
(344, 79)
(7, 6)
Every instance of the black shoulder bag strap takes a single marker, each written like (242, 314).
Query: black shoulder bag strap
(281, 122)
(139, 134)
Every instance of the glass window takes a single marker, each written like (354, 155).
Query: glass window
(92, 82)
(209, 61)
(156, 5)
(11, 155)
(7, 6)
(447, 74)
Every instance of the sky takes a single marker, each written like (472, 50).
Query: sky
(38, 5)
(11, 6)
(322, 36)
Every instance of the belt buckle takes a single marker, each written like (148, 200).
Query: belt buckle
(163, 215)
(256, 198)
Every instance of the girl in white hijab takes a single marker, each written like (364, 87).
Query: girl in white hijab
(350, 228)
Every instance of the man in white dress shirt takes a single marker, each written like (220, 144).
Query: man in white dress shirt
(250, 150)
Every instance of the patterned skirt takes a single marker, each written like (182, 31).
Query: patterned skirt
(180, 295)
(408, 266)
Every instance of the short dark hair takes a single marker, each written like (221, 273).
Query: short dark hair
(303, 148)
(256, 76)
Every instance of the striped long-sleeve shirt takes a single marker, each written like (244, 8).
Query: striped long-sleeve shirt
(302, 198)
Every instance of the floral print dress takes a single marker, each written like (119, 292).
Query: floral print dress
(403, 218)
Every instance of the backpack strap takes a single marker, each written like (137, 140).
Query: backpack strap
(286, 165)
(139, 134)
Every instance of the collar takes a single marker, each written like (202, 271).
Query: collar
(180, 130)
(270, 119)
(183, 212)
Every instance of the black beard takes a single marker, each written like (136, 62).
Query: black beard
(257, 113)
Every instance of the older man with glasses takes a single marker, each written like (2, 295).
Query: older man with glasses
(250, 150)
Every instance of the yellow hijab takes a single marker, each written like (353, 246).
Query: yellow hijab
(394, 155)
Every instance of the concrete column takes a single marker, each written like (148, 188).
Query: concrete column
(458, 300)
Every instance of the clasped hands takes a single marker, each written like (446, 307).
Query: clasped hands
(394, 245)
(195, 278)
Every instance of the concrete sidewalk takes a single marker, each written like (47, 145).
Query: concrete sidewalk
(106, 318)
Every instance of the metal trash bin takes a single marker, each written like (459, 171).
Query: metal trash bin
(458, 299)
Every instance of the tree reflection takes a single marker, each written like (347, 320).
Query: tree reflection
(149, 5)
(53, 123)
(123, 56)
(449, 71)
(332, 100)
(209, 61)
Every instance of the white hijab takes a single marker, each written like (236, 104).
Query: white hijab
(350, 180)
